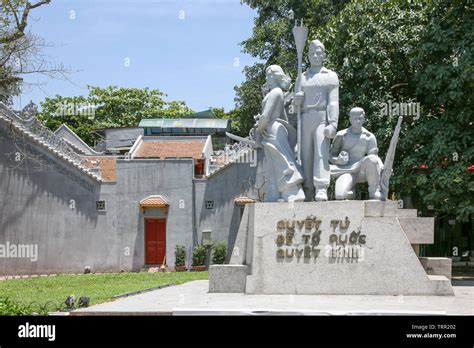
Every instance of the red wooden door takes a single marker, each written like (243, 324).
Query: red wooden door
(155, 241)
(199, 167)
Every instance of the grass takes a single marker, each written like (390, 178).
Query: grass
(98, 287)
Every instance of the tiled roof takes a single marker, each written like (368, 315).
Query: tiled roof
(107, 167)
(217, 123)
(168, 148)
(154, 201)
(244, 200)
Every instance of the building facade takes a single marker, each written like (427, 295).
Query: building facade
(110, 213)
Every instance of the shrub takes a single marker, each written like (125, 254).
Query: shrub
(219, 253)
(10, 307)
(180, 255)
(199, 255)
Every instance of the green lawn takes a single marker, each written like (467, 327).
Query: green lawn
(98, 287)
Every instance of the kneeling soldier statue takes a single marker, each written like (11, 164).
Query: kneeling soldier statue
(354, 158)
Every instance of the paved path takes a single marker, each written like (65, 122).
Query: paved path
(193, 299)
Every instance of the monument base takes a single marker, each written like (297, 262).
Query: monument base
(334, 247)
(227, 278)
(437, 266)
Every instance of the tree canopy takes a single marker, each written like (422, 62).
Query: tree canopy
(108, 107)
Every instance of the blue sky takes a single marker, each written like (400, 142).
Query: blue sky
(188, 49)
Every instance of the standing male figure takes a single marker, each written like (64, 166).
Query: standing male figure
(319, 100)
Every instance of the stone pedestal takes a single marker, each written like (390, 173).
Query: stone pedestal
(437, 266)
(335, 247)
(227, 278)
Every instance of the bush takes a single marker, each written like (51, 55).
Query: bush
(219, 253)
(10, 307)
(180, 255)
(199, 255)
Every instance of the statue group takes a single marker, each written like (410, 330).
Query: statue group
(304, 159)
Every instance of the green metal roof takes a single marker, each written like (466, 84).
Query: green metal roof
(202, 114)
(184, 123)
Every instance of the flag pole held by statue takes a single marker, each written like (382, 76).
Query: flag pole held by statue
(300, 33)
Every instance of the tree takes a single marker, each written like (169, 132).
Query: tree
(442, 139)
(234, 116)
(108, 107)
(20, 51)
(272, 41)
(386, 51)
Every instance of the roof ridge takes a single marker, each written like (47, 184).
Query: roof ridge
(89, 149)
(40, 139)
(71, 144)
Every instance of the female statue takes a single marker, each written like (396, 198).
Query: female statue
(273, 134)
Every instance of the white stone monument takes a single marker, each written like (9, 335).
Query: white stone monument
(318, 97)
(334, 247)
(354, 158)
(325, 247)
(273, 135)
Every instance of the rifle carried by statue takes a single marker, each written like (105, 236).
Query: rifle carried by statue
(388, 164)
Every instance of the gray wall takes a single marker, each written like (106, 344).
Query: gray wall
(46, 202)
(222, 188)
(138, 179)
(36, 197)
(35, 208)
